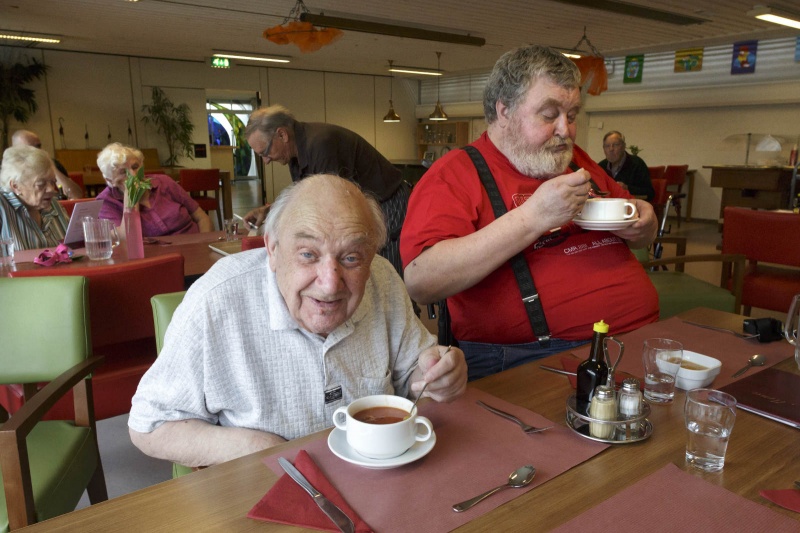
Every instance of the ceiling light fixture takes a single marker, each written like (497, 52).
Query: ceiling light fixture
(391, 116)
(776, 16)
(244, 56)
(35, 37)
(438, 112)
(415, 70)
(625, 8)
(409, 32)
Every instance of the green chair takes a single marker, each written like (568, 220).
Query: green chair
(164, 306)
(679, 292)
(46, 466)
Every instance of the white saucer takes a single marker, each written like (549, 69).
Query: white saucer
(337, 442)
(604, 225)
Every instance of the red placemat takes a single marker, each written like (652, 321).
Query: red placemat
(731, 350)
(672, 500)
(475, 451)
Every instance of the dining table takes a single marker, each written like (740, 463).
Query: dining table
(763, 454)
(194, 247)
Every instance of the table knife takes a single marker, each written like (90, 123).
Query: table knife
(338, 517)
(569, 373)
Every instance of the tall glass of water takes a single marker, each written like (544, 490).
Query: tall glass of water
(6, 252)
(709, 416)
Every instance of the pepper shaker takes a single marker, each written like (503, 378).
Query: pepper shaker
(603, 407)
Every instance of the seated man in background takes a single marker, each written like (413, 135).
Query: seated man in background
(166, 208)
(68, 188)
(629, 171)
(270, 342)
(453, 247)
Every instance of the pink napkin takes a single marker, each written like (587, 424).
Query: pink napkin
(786, 498)
(287, 503)
(672, 500)
(49, 257)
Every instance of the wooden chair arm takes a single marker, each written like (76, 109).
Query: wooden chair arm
(31, 412)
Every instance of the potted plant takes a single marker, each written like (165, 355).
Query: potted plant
(17, 100)
(173, 123)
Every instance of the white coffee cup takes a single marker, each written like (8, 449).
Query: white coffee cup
(382, 441)
(607, 209)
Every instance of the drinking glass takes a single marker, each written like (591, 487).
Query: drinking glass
(662, 360)
(100, 236)
(791, 326)
(709, 416)
(231, 229)
(6, 252)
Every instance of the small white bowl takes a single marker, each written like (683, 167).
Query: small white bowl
(694, 379)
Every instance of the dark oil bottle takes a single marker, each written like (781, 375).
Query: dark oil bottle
(593, 371)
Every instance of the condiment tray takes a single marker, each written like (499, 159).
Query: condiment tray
(626, 431)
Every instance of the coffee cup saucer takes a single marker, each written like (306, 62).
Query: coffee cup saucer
(604, 225)
(337, 442)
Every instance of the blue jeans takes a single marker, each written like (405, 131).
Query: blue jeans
(486, 359)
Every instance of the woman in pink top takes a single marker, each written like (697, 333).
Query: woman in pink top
(166, 209)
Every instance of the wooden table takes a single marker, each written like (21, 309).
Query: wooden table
(762, 454)
(750, 186)
(197, 255)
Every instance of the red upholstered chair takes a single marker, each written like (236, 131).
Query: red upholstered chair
(249, 243)
(657, 173)
(69, 205)
(676, 177)
(659, 201)
(764, 237)
(77, 177)
(198, 182)
(122, 328)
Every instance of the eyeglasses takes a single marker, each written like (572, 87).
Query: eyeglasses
(265, 153)
(612, 145)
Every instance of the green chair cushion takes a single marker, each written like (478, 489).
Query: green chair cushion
(164, 306)
(62, 458)
(679, 292)
(180, 470)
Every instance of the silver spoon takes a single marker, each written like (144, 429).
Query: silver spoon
(519, 478)
(756, 360)
(423, 389)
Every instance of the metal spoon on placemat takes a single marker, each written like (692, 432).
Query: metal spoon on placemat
(519, 478)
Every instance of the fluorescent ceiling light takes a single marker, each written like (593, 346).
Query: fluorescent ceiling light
(249, 57)
(36, 38)
(378, 28)
(415, 70)
(776, 16)
(571, 56)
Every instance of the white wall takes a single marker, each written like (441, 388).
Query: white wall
(99, 93)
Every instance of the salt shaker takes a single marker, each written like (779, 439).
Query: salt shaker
(603, 407)
(630, 399)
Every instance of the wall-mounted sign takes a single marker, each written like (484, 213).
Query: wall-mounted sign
(220, 62)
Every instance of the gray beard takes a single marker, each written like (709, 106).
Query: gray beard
(540, 163)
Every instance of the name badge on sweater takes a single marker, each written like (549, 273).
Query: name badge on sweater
(333, 395)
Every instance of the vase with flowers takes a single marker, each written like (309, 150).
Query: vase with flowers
(135, 188)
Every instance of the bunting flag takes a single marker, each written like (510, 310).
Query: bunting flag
(689, 60)
(744, 57)
(634, 65)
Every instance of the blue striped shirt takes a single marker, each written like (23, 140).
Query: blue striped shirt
(16, 223)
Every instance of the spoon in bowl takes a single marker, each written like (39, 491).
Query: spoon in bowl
(519, 478)
(756, 360)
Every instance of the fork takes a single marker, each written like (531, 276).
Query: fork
(525, 427)
(740, 335)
